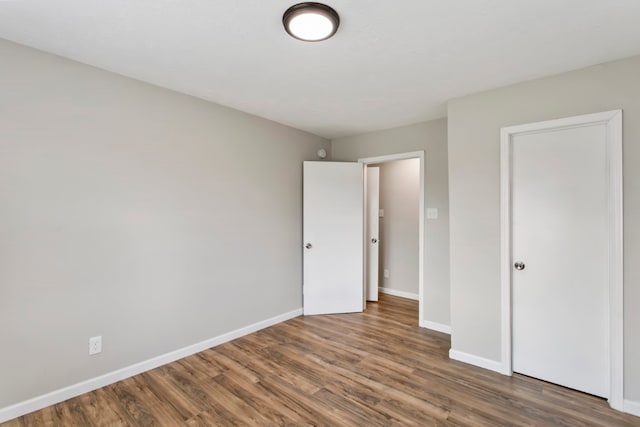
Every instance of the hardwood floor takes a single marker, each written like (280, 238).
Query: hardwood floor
(377, 368)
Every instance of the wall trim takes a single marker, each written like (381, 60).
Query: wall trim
(401, 294)
(481, 362)
(57, 396)
(613, 122)
(435, 326)
(631, 407)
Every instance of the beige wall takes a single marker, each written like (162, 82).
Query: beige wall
(474, 180)
(431, 137)
(399, 232)
(154, 219)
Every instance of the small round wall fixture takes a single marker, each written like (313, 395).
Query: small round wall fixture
(311, 22)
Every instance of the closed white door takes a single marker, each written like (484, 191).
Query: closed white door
(372, 238)
(560, 326)
(333, 216)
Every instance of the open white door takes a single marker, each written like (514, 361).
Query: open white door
(333, 214)
(372, 242)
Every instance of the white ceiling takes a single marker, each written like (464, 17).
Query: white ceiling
(391, 62)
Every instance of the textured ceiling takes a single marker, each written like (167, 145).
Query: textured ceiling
(391, 63)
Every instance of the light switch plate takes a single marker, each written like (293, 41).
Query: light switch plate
(432, 213)
(381, 213)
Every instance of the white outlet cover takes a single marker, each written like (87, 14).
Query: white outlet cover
(95, 345)
(386, 273)
(432, 213)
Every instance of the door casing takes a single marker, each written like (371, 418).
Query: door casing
(613, 123)
(372, 193)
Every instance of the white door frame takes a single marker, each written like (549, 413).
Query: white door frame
(613, 122)
(371, 216)
(421, 231)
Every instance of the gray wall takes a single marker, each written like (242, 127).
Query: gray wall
(474, 180)
(399, 232)
(431, 137)
(154, 219)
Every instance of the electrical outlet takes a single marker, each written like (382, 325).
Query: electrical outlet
(95, 345)
(386, 273)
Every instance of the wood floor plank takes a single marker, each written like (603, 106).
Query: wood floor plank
(307, 406)
(100, 410)
(376, 368)
(350, 411)
(164, 389)
(259, 359)
(244, 390)
(126, 399)
(228, 399)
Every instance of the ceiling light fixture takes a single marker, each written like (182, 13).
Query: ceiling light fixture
(311, 22)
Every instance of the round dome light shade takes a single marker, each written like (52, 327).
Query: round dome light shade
(311, 22)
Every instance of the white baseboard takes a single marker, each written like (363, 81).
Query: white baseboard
(60, 395)
(402, 294)
(481, 362)
(434, 326)
(631, 407)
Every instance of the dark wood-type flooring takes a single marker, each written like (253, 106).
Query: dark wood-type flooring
(377, 368)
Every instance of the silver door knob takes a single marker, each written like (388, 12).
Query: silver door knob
(519, 265)
(308, 246)
(374, 240)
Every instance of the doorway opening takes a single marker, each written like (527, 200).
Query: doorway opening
(394, 237)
